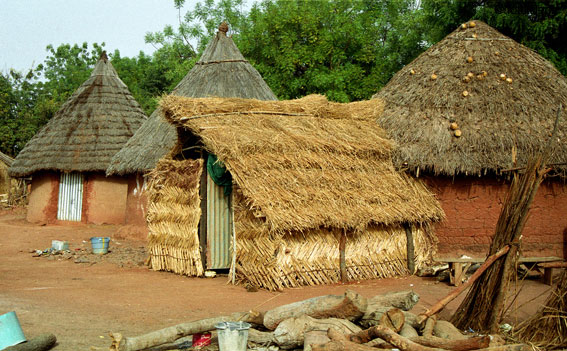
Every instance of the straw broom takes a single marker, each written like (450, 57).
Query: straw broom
(490, 289)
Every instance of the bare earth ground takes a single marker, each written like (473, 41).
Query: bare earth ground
(81, 297)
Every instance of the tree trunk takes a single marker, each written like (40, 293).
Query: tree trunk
(170, 334)
(349, 306)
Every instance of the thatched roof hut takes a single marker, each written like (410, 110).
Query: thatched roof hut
(305, 171)
(222, 71)
(502, 96)
(470, 107)
(5, 162)
(90, 127)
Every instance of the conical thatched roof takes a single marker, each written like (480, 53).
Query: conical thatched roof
(308, 163)
(222, 71)
(501, 118)
(91, 126)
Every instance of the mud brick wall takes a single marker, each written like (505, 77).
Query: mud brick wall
(472, 206)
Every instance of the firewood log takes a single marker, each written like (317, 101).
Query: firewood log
(473, 343)
(339, 342)
(372, 317)
(315, 337)
(42, 342)
(408, 331)
(393, 319)
(170, 334)
(290, 333)
(390, 337)
(428, 326)
(349, 306)
(447, 330)
(404, 300)
(259, 337)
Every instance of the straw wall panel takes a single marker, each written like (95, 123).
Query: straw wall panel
(173, 217)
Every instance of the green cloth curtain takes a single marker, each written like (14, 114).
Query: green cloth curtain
(219, 174)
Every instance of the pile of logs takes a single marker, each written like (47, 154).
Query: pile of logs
(348, 322)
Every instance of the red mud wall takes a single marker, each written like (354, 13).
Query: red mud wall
(104, 199)
(137, 201)
(42, 205)
(472, 206)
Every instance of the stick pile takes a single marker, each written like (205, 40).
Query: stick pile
(335, 323)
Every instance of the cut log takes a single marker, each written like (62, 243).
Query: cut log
(513, 347)
(42, 342)
(473, 343)
(393, 319)
(170, 334)
(408, 331)
(404, 300)
(315, 337)
(290, 333)
(349, 306)
(372, 317)
(339, 342)
(429, 325)
(447, 330)
(259, 337)
(390, 337)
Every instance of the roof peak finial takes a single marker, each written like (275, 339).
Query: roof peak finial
(103, 56)
(223, 27)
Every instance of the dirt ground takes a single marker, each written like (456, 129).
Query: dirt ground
(81, 297)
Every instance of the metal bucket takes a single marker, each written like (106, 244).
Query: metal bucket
(10, 331)
(100, 245)
(233, 336)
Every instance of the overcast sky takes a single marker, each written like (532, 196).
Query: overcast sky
(28, 26)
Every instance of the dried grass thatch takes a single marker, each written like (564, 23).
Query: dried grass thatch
(284, 260)
(90, 128)
(222, 71)
(307, 163)
(547, 329)
(5, 182)
(502, 120)
(173, 217)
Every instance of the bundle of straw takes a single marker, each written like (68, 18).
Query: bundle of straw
(547, 329)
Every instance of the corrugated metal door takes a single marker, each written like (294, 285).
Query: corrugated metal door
(219, 226)
(70, 203)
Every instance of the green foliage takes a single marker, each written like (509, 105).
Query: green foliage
(539, 25)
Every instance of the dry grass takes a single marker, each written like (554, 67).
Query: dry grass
(276, 260)
(547, 329)
(307, 163)
(173, 217)
(87, 131)
(502, 123)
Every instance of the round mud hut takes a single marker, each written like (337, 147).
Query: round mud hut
(309, 194)
(67, 159)
(221, 71)
(467, 113)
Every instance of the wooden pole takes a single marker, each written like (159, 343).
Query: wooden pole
(443, 302)
(410, 248)
(342, 253)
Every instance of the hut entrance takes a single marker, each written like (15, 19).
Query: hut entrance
(70, 202)
(219, 217)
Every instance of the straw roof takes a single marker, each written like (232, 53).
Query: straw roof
(90, 127)
(307, 163)
(502, 96)
(222, 71)
(7, 160)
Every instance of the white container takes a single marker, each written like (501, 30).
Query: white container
(60, 245)
(233, 336)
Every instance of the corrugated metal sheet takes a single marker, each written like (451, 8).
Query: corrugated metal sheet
(70, 203)
(219, 226)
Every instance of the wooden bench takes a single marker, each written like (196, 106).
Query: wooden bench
(459, 266)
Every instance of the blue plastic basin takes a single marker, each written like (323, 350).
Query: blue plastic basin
(100, 245)
(10, 331)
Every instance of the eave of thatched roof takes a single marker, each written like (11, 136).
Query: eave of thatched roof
(90, 127)
(307, 163)
(222, 71)
(502, 121)
(7, 160)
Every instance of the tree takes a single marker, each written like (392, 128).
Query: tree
(539, 25)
